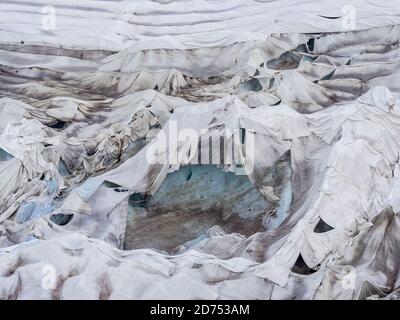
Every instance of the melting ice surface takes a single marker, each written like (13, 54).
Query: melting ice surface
(189, 202)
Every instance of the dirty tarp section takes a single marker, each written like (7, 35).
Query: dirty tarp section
(81, 110)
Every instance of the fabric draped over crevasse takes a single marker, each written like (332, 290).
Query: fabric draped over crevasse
(349, 213)
(81, 110)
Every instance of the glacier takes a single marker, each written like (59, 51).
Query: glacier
(211, 149)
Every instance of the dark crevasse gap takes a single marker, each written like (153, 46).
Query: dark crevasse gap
(189, 202)
(286, 61)
(4, 155)
(300, 267)
(58, 124)
(322, 227)
(61, 219)
(252, 85)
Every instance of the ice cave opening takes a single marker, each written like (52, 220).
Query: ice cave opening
(190, 202)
